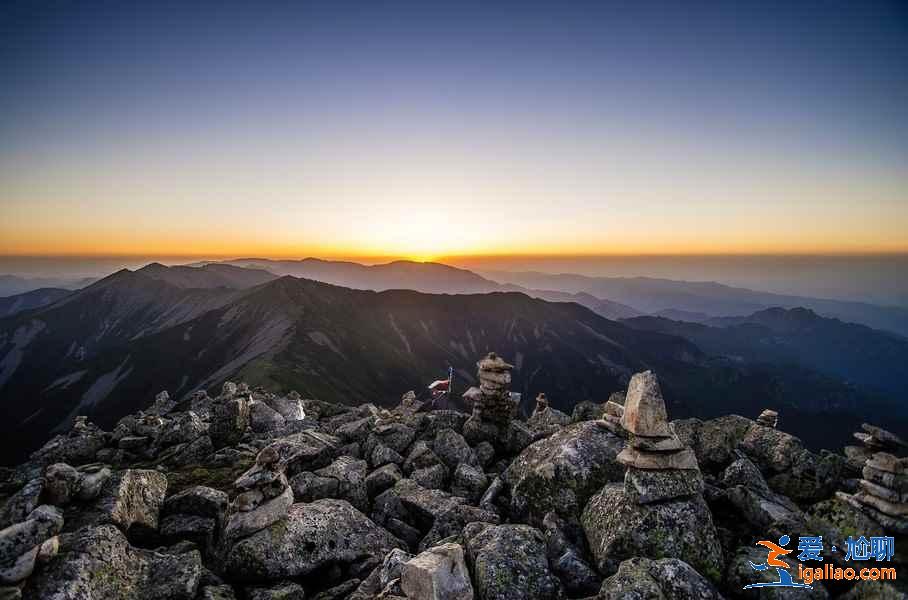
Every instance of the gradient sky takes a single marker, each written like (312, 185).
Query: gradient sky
(422, 130)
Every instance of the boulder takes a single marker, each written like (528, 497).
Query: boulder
(290, 406)
(469, 482)
(439, 573)
(199, 500)
(565, 547)
(350, 475)
(61, 483)
(618, 528)
(452, 449)
(563, 471)
(644, 408)
(286, 590)
(313, 536)
(382, 478)
(243, 523)
(98, 562)
(24, 501)
(182, 428)
(509, 563)
(264, 419)
(131, 500)
(229, 420)
(21, 543)
(665, 579)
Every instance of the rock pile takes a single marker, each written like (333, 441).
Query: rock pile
(883, 494)
(660, 510)
(338, 502)
(494, 416)
(659, 466)
(873, 439)
(768, 418)
(263, 497)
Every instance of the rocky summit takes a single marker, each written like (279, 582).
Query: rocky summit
(251, 495)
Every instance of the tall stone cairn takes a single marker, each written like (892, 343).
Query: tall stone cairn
(659, 466)
(883, 493)
(873, 439)
(768, 418)
(494, 403)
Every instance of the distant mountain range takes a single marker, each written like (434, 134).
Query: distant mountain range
(11, 285)
(875, 360)
(29, 300)
(107, 349)
(650, 296)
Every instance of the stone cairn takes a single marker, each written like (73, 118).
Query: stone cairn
(768, 418)
(660, 466)
(264, 497)
(883, 485)
(873, 439)
(883, 493)
(494, 404)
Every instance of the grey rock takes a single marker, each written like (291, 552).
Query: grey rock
(263, 418)
(452, 449)
(648, 486)
(509, 563)
(350, 475)
(199, 500)
(313, 536)
(563, 471)
(61, 483)
(20, 504)
(217, 592)
(439, 573)
(665, 579)
(180, 429)
(644, 408)
(431, 478)
(98, 562)
(421, 456)
(383, 455)
(242, 524)
(469, 482)
(287, 590)
(382, 478)
(618, 528)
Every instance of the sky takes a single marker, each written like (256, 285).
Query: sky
(425, 130)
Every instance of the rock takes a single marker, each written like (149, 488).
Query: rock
(509, 563)
(383, 455)
(420, 457)
(61, 483)
(395, 436)
(305, 451)
(439, 573)
(313, 536)
(668, 579)
(229, 421)
(282, 591)
(98, 562)
(563, 471)
(218, 592)
(290, 406)
(587, 411)
(382, 478)
(644, 408)
(91, 482)
(548, 420)
(192, 453)
(78, 447)
(21, 543)
(485, 453)
(645, 487)
(768, 418)
(355, 431)
(264, 419)
(181, 429)
(200, 501)
(245, 523)
(199, 530)
(22, 502)
(131, 500)
(452, 449)
(350, 475)
(565, 549)
(469, 482)
(618, 528)
(431, 478)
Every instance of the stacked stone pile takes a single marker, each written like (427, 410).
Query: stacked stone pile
(659, 511)
(873, 439)
(768, 418)
(659, 466)
(494, 416)
(883, 493)
(263, 497)
(612, 415)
